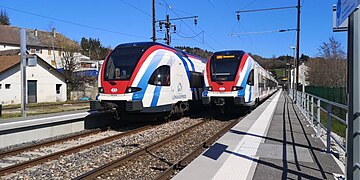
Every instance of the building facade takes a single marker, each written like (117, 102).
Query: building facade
(44, 82)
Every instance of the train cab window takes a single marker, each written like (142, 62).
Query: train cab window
(250, 80)
(161, 76)
(196, 80)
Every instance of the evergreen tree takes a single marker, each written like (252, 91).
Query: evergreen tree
(4, 18)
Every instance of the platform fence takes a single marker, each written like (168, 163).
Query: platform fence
(314, 107)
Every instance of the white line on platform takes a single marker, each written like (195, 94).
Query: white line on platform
(77, 115)
(237, 167)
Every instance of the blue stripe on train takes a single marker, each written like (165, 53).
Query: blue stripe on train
(246, 77)
(156, 96)
(143, 83)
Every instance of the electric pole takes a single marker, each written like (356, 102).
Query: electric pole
(168, 26)
(153, 22)
(297, 46)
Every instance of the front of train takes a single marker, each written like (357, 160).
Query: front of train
(229, 79)
(117, 77)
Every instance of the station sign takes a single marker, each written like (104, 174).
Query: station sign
(344, 9)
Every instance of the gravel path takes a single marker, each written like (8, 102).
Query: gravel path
(75, 164)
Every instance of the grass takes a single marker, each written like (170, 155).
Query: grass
(336, 126)
(280, 72)
(43, 108)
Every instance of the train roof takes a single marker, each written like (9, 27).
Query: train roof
(146, 45)
(227, 52)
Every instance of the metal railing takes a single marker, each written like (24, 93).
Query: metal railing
(308, 103)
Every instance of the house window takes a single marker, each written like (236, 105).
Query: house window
(58, 86)
(38, 50)
(59, 53)
(7, 86)
(32, 50)
(0, 86)
(49, 51)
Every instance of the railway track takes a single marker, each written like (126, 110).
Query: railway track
(160, 159)
(19, 157)
(70, 163)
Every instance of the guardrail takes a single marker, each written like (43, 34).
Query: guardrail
(308, 103)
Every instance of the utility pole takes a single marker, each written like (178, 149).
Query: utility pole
(23, 70)
(167, 26)
(353, 124)
(153, 22)
(297, 62)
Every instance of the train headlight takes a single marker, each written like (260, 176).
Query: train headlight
(237, 88)
(132, 89)
(101, 89)
(209, 88)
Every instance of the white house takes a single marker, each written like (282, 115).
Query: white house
(302, 75)
(47, 45)
(44, 82)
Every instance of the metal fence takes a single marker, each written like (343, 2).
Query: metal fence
(312, 106)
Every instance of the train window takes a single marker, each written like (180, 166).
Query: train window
(250, 80)
(121, 63)
(196, 80)
(161, 76)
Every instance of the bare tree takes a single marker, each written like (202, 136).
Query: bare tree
(330, 69)
(70, 64)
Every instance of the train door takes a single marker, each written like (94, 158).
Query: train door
(177, 87)
(256, 82)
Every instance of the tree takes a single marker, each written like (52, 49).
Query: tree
(70, 63)
(331, 50)
(330, 69)
(93, 48)
(196, 51)
(4, 18)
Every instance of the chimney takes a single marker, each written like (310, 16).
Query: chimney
(36, 32)
(54, 32)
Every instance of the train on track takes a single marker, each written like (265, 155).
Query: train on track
(233, 78)
(148, 77)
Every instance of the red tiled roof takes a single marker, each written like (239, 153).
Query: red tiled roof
(7, 62)
(11, 35)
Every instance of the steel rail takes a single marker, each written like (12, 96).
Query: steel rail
(116, 163)
(185, 160)
(48, 143)
(36, 161)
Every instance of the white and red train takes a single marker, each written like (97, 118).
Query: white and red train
(149, 77)
(234, 78)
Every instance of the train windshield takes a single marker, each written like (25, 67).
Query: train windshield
(224, 68)
(121, 62)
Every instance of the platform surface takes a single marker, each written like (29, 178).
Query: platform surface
(272, 142)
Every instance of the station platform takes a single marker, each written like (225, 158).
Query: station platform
(274, 141)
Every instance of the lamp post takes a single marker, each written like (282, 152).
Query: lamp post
(293, 79)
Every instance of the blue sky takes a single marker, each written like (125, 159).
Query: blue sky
(217, 18)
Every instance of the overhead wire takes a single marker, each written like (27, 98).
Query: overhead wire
(204, 42)
(74, 23)
(136, 8)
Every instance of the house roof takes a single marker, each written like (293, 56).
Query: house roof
(34, 38)
(8, 62)
(10, 52)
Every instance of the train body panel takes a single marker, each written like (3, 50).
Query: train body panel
(233, 77)
(159, 78)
